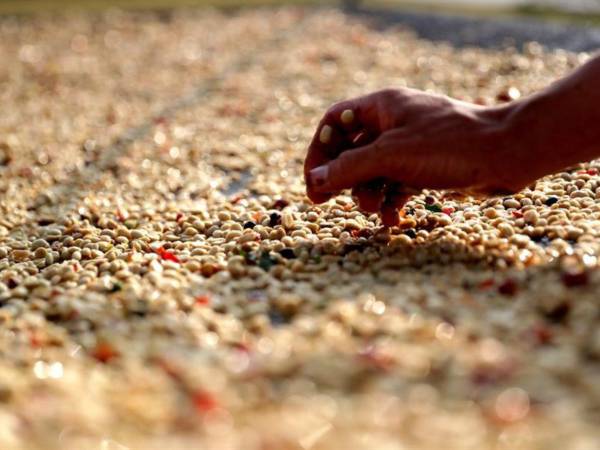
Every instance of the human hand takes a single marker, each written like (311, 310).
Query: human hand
(390, 144)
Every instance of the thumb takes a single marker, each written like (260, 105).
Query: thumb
(349, 169)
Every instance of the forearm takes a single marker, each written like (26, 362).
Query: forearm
(559, 126)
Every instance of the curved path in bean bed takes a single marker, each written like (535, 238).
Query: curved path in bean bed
(464, 31)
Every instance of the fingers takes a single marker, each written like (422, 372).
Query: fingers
(360, 138)
(369, 195)
(336, 130)
(346, 125)
(346, 116)
(335, 133)
(381, 158)
(361, 113)
(326, 145)
(395, 199)
(351, 168)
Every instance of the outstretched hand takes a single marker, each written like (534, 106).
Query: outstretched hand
(389, 145)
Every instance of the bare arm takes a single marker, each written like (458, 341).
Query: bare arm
(401, 140)
(557, 127)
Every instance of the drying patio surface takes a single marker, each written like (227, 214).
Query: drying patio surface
(165, 283)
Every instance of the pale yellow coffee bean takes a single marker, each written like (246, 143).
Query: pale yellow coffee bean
(505, 229)
(531, 216)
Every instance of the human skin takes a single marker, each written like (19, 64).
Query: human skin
(401, 141)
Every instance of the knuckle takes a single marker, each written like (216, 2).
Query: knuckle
(388, 92)
(343, 162)
(331, 110)
(338, 173)
(382, 144)
(337, 108)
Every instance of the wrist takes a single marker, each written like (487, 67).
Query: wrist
(503, 163)
(548, 132)
(530, 125)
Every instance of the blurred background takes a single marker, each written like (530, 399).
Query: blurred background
(545, 9)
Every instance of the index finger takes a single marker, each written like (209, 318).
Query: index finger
(357, 114)
(327, 143)
(336, 132)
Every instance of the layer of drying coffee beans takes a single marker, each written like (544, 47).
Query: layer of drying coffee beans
(165, 283)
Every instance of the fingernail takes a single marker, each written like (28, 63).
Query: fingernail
(318, 176)
(325, 136)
